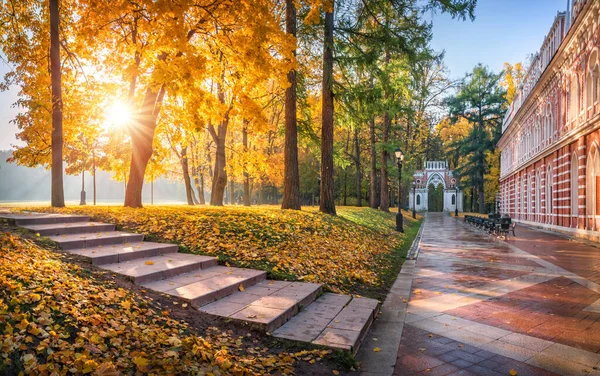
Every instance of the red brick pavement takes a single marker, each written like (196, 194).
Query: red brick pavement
(581, 258)
(552, 310)
(461, 277)
(423, 353)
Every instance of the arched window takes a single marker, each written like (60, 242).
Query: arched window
(517, 197)
(538, 194)
(453, 199)
(591, 82)
(548, 196)
(589, 89)
(574, 185)
(574, 98)
(522, 208)
(536, 134)
(529, 205)
(592, 172)
(550, 125)
(418, 199)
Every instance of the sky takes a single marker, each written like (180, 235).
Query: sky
(503, 31)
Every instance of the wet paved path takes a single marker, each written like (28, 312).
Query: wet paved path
(479, 306)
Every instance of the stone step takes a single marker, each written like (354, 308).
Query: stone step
(90, 240)
(157, 268)
(333, 320)
(268, 304)
(31, 218)
(205, 286)
(66, 228)
(108, 254)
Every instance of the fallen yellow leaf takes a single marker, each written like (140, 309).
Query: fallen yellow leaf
(377, 349)
(149, 262)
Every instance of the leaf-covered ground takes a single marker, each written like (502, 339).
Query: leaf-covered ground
(356, 252)
(56, 318)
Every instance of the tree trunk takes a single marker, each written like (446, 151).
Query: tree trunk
(472, 199)
(141, 143)
(219, 182)
(345, 172)
(58, 195)
(94, 172)
(186, 176)
(194, 176)
(481, 194)
(291, 175)
(327, 185)
(373, 188)
(246, 175)
(231, 192)
(384, 205)
(201, 188)
(358, 173)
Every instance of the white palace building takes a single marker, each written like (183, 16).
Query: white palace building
(550, 144)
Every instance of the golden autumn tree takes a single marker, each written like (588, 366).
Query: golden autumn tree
(512, 77)
(59, 101)
(158, 47)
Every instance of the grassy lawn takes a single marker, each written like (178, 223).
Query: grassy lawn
(57, 317)
(357, 251)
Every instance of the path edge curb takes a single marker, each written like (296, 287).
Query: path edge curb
(386, 330)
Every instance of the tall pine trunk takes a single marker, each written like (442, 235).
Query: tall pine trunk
(358, 172)
(291, 174)
(384, 205)
(58, 195)
(189, 193)
(373, 187)
(327, 184)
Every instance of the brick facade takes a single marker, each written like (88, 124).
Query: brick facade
(551, 132)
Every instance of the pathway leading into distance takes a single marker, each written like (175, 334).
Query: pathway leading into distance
(479, 306)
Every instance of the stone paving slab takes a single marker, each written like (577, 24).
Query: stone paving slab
(307, 325)
(64, 228)
(74, 241)
(31, 218)
(160, 267)
(218, 284)
(333, 320)
(268, 304)
(108, 254)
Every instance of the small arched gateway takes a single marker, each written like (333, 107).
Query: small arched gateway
(435, 188)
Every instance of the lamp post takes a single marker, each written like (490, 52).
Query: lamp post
(399, 219)
(456, 201)
(414, 187)
(82, 198)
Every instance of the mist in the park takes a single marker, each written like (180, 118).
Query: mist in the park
(300, 187)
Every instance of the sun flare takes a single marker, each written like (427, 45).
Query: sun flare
(118, 115)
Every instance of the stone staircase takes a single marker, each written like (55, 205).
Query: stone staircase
(296, 311)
